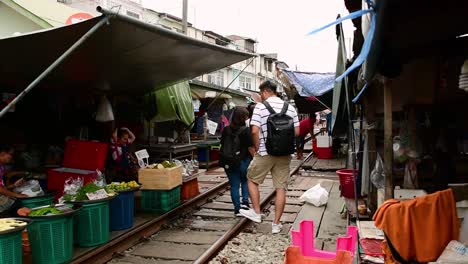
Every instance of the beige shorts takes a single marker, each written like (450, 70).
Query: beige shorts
(278, 166)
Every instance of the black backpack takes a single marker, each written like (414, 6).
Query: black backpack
(280, 132)
(230, 154)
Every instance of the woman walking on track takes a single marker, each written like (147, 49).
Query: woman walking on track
(237, 150)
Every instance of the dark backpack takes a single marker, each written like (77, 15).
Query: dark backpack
(230, 154)
(280, 132)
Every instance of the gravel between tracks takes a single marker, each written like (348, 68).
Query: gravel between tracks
(255, 248)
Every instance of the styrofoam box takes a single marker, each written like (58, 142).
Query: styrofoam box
(324, 141)
(406, 194)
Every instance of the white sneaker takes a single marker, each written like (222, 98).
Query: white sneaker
(276, 228)
(250, 214)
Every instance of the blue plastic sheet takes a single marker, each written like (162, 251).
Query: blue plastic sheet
(311, 84)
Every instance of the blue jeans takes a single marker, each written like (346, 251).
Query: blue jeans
(238, 179)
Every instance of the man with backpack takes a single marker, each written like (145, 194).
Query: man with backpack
(274, 126)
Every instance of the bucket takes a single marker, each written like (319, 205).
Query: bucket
(122, 211)
(51, 240)
(91, 224)
(347, 182)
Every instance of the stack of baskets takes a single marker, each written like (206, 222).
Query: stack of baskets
(160, 189)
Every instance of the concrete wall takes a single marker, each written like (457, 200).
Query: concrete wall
(11, 22)
(121, 5)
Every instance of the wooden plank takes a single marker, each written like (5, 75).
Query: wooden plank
(388, 140)
(214, 214)
(288, 208)
(293, 201)
(211, 225)
(332, 225)
(139, 260)
(285, 218)
(219, 206)
(294, 193)
(193, 237)
(167, 250)
(310, 212)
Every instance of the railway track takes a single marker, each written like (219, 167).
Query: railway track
(191, 233)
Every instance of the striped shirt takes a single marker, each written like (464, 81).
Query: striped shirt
(261, 114)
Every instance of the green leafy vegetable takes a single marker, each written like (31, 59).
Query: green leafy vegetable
(45, 211)
(88, 188)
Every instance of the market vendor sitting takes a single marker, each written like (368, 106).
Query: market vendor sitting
(125, 168)
(8, 202)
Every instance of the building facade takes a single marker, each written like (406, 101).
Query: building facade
(131, 8)
(246, 75)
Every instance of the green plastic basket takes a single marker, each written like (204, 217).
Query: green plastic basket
(51, 240)
(91, 224)
(158, 201)
(11, 249)
(34, 202)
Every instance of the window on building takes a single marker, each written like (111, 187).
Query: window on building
(216, 78)
(270, 66)
(133, 14)
(245, 82)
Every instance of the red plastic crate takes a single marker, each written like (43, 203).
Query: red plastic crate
(82, 159)
(214, 154)
(56, 178)
(85, 155)
(189, 190)
(325, 153)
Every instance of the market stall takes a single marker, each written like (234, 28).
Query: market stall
(61, 106)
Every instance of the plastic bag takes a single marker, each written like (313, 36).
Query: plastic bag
(377, 174)
(71, 187)
(30, 188)
(316, 195)
(100, 179)
(104, 112)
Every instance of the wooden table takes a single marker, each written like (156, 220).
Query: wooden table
(167, 151)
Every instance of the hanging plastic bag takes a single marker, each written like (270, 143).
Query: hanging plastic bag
(30, 188)
(104, 111)
(70, 188)
(316, 195)
(377, 174)
(100, 179)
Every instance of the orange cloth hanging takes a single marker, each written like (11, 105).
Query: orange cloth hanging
(419, 229)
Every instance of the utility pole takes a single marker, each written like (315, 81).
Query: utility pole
(184, 16)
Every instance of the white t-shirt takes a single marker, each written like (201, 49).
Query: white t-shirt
(261, 114)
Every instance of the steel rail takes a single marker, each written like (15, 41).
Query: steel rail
(107, 251)
(226, 237)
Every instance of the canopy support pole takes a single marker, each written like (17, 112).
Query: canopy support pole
(388, 141)
(54, 65)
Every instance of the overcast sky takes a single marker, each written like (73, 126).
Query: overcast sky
(279, 26)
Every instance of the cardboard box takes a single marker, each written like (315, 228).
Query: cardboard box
(160, 179)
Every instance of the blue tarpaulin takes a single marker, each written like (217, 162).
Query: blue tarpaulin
(311, 84)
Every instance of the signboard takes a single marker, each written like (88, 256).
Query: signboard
(212, 126)
(78, 17)
(99, 194)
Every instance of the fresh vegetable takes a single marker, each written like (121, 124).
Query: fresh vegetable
(88, 188)
(122, 186)
(24, 211)
(7, 224)
(45, 211)
(163, 165)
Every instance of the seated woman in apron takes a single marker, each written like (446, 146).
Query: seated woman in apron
(123, 161)
(8, 202)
